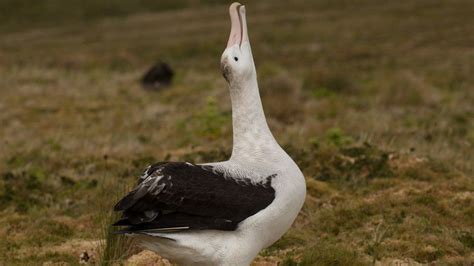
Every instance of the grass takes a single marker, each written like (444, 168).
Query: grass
(374, 102)
(114, 248)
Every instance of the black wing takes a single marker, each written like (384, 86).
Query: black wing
(181, 196)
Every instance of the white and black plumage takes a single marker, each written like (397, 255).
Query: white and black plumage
(174, 196)
(221, 213)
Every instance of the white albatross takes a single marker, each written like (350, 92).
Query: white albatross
(220, 213)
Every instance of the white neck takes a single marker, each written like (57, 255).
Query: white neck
(252, 136)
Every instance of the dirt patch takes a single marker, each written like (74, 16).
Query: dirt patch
(147, 257)
(397, 262)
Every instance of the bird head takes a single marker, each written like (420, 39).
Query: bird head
(237, 61)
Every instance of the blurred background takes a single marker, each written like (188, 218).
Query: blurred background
(373, 99)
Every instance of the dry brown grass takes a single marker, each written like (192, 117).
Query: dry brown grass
(333, 75)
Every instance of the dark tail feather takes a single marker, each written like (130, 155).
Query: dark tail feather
(144, 232)
(122, 222)
(124, 232)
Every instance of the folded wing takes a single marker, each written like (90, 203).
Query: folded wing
(176, 196)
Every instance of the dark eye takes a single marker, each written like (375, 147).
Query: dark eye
(236, 59)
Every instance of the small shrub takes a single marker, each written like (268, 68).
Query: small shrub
(336, 136)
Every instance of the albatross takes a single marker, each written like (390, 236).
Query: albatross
(221, 213)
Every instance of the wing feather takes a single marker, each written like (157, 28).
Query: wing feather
(184, 195)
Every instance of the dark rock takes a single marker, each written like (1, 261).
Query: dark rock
(158, 76)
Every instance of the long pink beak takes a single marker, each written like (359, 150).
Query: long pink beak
(238, 29)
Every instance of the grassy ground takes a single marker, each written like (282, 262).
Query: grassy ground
(373, 100)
